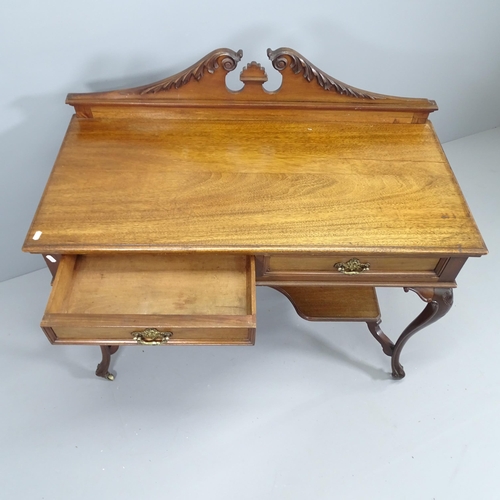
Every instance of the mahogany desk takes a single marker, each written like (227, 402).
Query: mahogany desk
(169, 203)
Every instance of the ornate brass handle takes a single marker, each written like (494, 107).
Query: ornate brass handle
(151, 336)
(352, 266)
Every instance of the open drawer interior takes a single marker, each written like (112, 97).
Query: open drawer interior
(152, 298)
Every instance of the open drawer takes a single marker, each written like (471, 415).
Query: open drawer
(152, 299)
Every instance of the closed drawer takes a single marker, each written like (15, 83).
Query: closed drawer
(152, 299)
(349, 267)
(326, 263)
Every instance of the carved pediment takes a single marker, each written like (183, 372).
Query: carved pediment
(204, 85)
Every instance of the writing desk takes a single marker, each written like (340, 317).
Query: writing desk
(169, 203)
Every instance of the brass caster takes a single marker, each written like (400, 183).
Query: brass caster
(110, 376)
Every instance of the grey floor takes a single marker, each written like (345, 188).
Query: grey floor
(309, 412)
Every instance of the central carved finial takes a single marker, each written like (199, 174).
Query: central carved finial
(253, 73)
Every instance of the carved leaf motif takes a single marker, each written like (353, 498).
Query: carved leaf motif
(226, 58)
(281, 58)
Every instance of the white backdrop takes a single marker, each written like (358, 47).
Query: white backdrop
(446, 50)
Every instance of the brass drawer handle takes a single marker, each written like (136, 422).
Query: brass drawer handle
(352, 266)
(151, 336)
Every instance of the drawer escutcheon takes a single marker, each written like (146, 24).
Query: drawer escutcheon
(152, 336)
(352, 266)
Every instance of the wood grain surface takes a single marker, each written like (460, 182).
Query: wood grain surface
(253, 186)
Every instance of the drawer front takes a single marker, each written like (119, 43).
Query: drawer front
(349, 268)
(172, 336)
(326, 264)
(153, 299)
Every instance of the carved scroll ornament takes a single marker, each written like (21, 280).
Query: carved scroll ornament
(226, 58)
(283, 57)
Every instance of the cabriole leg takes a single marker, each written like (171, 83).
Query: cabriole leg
(439, 302)
(103, 366)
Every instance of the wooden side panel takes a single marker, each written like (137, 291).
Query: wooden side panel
(52, 261)
(62, 285)
(451, 268)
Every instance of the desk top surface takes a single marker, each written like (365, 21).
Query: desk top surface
(253, 186)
